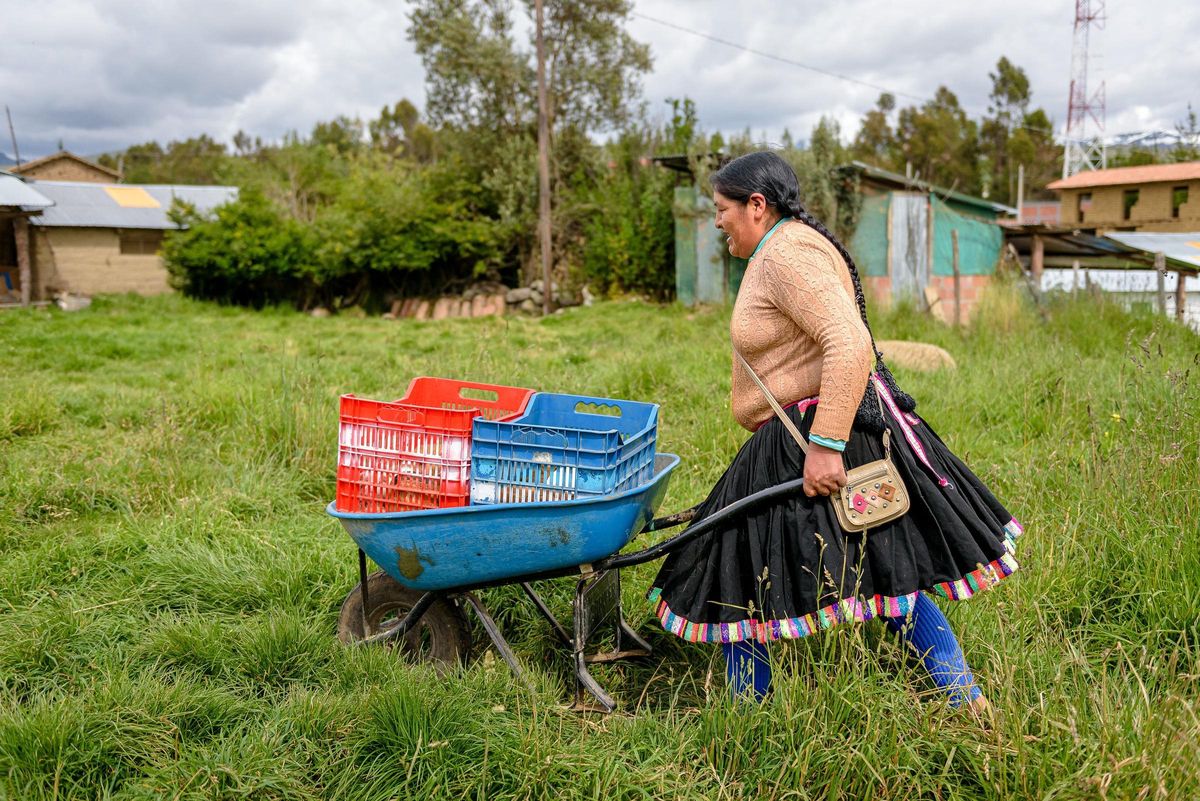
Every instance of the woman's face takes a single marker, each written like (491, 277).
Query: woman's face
(742, 222)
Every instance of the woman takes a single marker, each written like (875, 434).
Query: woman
(788, 569)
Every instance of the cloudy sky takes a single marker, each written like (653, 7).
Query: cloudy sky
(104, 74)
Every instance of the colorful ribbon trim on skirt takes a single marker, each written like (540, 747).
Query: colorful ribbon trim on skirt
(843, 611)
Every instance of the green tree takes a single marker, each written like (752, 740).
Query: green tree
(875, 141)
(593, 66)
(826, 192)
(1008, 105)
(198, 160)
(480, 90)
(475, 75)
(1188, 148)
(940, 142)
(343, 135)
(681, 131)
(1032, 145)
(399, 131)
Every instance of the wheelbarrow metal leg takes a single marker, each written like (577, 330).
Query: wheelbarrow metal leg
(362, 587)
(560, 630)
(604, 609)
(597, 606)
(493, 633)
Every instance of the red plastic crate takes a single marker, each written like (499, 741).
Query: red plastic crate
(415, 453)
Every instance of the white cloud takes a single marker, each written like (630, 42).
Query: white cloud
(101, 76)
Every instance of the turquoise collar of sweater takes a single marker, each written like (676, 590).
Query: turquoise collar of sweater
(767, 236)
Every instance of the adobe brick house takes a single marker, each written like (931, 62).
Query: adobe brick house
(64, 166)
(1152, 198)
(99, 238)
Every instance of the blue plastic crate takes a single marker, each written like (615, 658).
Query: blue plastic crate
(564, 447)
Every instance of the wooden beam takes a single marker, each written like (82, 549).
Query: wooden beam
(957, 279)
(1102, 263)
(1037, 259)
(24, 269)
(1180, 295)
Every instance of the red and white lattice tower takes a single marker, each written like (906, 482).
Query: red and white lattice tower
(1084, 148)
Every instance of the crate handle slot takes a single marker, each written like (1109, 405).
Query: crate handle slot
(474, 393)
(393, 415)
(598, 408)
(538, 436)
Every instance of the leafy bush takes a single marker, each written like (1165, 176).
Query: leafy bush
(248, 254)
(629, 244)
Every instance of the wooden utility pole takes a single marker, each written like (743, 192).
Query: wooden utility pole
(1020, 193)
(957, 279)
(12, 133)
(543, 161)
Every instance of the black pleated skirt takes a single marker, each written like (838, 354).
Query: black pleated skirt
(787, 569)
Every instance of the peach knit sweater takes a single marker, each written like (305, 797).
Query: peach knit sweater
(796, 322)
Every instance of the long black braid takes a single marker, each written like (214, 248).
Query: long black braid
(767, 173)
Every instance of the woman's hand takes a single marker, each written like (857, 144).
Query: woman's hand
(824, 473)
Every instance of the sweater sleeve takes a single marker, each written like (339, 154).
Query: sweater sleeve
(806, 285)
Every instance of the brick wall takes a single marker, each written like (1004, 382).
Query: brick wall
(67, 170)
(88, 261)
(878, 290)
(971, 289)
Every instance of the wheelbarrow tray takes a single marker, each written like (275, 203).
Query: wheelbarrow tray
(441, 549)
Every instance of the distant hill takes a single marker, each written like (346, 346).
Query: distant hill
(6, 160)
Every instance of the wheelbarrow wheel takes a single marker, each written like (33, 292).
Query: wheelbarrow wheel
(440, 637)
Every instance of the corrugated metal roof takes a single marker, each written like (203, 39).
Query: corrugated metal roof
(16, 192)
(898, 181)
(1180, 247)
(1116, 176)
(89, 205)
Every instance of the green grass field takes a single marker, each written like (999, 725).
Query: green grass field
(169, 582)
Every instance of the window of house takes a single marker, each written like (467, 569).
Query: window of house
(140, 243)
(1129, 199)
(1085, 204)
(1179, 196)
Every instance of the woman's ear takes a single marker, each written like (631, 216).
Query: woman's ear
(758, 204)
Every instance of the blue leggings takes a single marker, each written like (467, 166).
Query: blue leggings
(926, 631)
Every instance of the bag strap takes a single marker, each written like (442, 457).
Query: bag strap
(787, 421)
(783, 418)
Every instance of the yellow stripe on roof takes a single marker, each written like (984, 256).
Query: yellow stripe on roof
(132, 197)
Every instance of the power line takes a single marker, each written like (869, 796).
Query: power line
(774, 57)
(801, 65)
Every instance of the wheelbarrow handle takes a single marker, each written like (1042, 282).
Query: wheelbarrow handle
(703, 527)
(671, 521)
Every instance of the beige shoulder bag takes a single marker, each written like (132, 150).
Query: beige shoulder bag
(874, 493)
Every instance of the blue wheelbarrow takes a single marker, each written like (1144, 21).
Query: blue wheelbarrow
(434, 562)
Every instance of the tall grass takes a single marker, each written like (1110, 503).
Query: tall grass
(169, 584)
